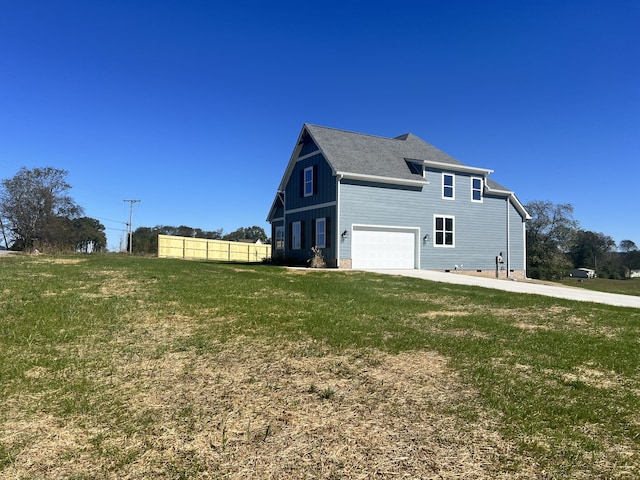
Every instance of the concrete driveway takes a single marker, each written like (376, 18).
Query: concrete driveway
(569, 293)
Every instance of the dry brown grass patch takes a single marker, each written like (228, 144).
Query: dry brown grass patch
(443, 313)
(59, 261)
(254, 411)
(594, 377)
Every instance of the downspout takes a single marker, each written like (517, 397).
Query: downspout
(337, 227)
(284, 219)
(524, 243)
(508, 238)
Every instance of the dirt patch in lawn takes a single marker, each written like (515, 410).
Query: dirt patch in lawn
(255, 411)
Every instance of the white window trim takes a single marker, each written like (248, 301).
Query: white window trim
(304, 183)
(296, 240)
(481, 189)
(444, 217)
(280, 236)
(453, 186)
(322, 220)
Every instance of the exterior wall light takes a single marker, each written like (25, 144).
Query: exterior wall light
(425, 239)
(344, 234)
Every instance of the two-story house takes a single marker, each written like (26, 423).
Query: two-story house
(376, 202)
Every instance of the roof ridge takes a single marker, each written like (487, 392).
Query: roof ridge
(313, 125)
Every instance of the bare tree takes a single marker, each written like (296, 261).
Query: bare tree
(4, 233)
(35, 204)
(550, 235)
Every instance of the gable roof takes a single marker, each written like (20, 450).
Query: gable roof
(497, 189)
(369, 157)
(357, 154)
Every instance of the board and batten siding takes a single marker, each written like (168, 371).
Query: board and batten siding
(307, 218)
(307, 209)
(324, 184)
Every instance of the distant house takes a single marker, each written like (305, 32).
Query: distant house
(583, 273)
(257, 241)
(377, 202)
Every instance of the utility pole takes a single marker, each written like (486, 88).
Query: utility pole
(131, 202)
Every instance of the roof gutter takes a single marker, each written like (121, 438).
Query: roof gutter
(455, 167)
(378, 179)
(512, 196)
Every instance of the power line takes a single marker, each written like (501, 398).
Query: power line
(109, 220)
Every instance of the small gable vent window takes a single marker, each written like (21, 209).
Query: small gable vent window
(448, 186)
(415, 168)
(476, 189)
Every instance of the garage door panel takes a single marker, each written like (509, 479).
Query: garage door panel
(383, 248)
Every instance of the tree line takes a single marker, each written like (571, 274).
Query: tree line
(556, 244)
(36, 212)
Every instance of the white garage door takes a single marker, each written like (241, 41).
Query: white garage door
(383, 248)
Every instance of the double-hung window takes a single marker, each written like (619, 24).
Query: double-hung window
(296, 235)
(308, 181)
(279, 238)
(321, 232)
(476, 189)
(443, 230)
(448, 186)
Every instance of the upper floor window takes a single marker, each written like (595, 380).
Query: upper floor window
(321, 232)
(308, 181)
(476, 189)
(443, 230)
(448, 186)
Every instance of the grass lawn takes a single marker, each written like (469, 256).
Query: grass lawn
(126, 367)
(630, 286)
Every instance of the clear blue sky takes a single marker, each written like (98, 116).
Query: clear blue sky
(194, 107)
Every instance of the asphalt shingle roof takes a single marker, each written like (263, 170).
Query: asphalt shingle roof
(371, 155)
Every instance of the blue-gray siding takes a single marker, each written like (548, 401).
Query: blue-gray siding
(480, 228)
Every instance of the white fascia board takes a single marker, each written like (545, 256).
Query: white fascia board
(456, 168)
(520, 207)
(377, 179)
(513, 197)
(497, 191)
(310, 207)
(273, 206)
(292, 161)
